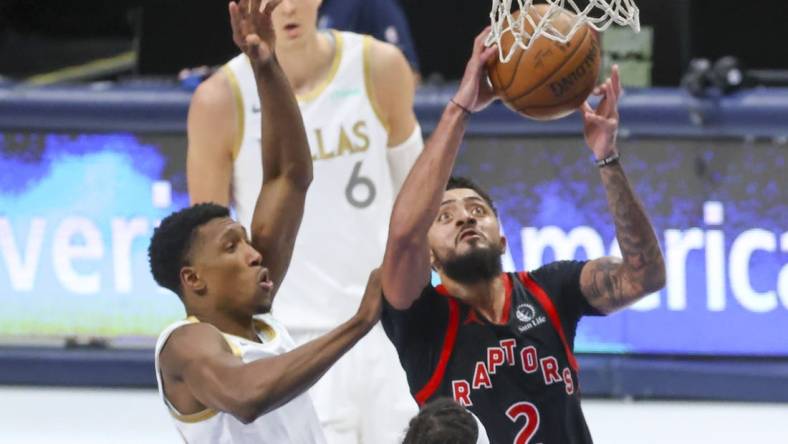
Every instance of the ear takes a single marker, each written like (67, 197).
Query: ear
(191, 280)
(504, 243)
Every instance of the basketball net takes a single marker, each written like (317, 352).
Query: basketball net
(599, 14)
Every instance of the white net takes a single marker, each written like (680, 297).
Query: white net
(525, 28)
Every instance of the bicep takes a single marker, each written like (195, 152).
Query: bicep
(211, 131)
(605, 285)
(203, 360)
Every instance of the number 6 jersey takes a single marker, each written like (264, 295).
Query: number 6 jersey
(519, 375)
(343, 233)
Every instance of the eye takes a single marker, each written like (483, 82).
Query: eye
(230, 246)
(478, 210)
(444, 216)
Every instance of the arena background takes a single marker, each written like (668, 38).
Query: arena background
(88, 168)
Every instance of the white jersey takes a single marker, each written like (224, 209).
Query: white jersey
(294, 422)
(348, 206)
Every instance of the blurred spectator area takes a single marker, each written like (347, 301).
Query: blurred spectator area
(166, 35)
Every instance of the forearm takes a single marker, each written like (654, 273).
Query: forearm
(284, 143)
(643, 266)
(420, 197)
(274, 382)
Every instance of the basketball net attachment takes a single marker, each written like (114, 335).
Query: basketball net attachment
(599, 14)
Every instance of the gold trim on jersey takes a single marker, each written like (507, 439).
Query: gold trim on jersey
(239, 110)
(369, 84)
(332, 72)
(265, 329)
(191, 418)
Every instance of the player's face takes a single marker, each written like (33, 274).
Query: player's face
(231, 269)
(465, 226)
(295, 19)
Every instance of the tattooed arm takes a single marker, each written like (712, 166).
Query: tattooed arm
(609, 283)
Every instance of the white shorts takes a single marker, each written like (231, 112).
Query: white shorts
(364, 397)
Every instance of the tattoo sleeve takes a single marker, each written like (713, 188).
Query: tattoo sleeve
(611, 283)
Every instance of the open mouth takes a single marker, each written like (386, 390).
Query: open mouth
(467, 234)
(264, 281)
(290, 27)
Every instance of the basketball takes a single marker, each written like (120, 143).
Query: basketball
(550, 79)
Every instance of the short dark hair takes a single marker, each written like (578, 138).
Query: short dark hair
(172, 241)
(442, 421)
(464, 182)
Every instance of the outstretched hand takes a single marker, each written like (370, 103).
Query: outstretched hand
(600, 125)
(253, 31)
(475, 92)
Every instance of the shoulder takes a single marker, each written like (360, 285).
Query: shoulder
(391, 88)
(555, 273)
(214, 91)
(387, 64)
(191, 342)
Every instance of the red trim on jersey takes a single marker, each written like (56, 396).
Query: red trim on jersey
(448, 346)
(507, 303)
(552, 314)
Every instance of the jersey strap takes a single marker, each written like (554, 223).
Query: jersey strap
(552, 314)
(448, 346)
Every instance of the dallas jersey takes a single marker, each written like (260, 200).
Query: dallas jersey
(519, 376)
(345, 224)
(294, 422)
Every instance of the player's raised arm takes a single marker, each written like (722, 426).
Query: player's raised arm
(287, 162)
(406, 264)
(199, 357)
(609, 283)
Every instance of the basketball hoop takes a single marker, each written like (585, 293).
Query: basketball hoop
(526, 27)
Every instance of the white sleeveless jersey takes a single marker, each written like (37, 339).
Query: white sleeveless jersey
(294, 422)
(348, 206)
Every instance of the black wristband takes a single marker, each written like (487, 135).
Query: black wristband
(464, 109)
(608, 160)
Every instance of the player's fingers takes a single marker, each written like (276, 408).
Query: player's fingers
(243, 7)
(586, 108)
(616, 77)
(235, 23)
(271, 5)
(489, 52)
(481, 39)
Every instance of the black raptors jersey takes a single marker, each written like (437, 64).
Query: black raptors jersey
(519, 376)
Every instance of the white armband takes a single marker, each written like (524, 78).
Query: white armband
(402, 157)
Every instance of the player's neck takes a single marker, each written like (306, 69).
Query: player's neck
(241, 326)
(486, 297)
(308, 62)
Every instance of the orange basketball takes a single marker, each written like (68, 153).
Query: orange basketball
(549, 80)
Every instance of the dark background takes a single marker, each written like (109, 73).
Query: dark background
(38, 36)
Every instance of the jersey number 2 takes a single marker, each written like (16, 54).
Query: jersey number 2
(515, 411)
(364, 186)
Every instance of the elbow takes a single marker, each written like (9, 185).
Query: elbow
(654, 276)
(300, 177)
(247, 409)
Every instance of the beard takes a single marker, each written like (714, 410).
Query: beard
(477, 265)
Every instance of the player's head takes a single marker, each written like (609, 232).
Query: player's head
(295, 21)
(442, 421)
(204, 256)
(465, 238)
